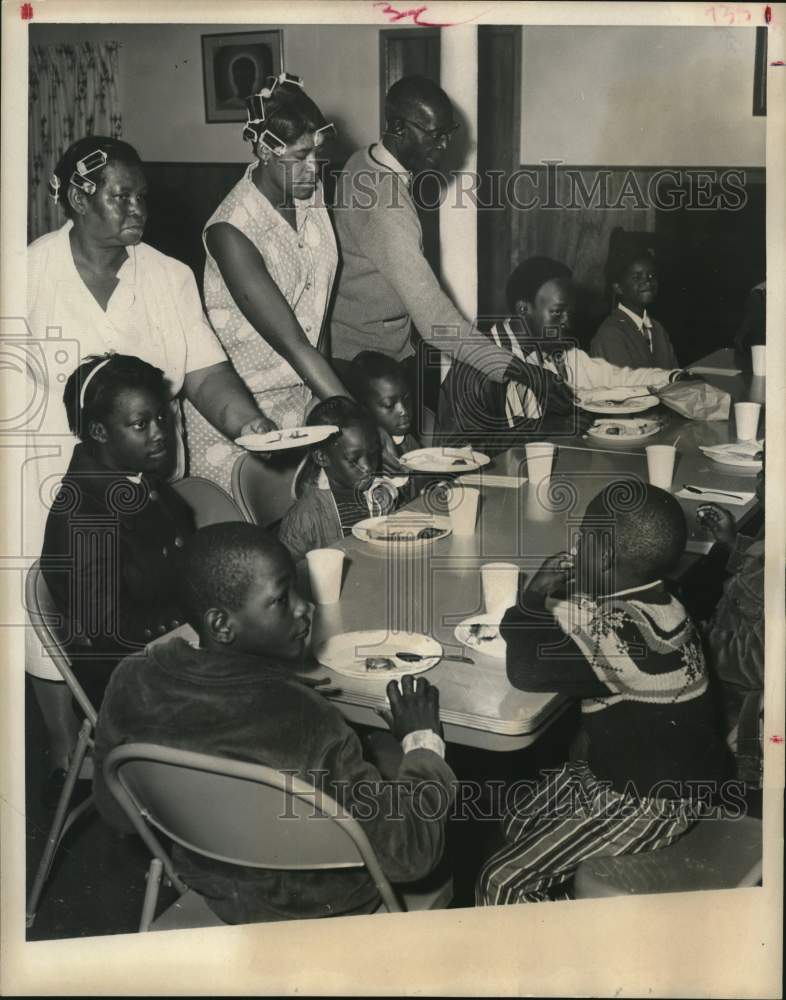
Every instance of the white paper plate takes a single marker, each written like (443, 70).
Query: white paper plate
(290, 437)
(444, 460)
(633, 431)
(347, 653)
(495, 647)
(621, 408)
(735, 461)
(407, 522)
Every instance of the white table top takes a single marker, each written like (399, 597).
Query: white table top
(434, 590)
(431, 592)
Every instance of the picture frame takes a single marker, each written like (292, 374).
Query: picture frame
(235, 65)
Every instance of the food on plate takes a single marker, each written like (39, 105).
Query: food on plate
(625, 428)
(399, 533)
(297, 434)
(379, 663)
(431, 533)
(482, 633)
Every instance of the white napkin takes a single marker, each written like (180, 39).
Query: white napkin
(615, 392)
(738, 449)
(492, 479)
(708, 496)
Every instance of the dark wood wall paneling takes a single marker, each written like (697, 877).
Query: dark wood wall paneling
(181, 198)
(709, 258)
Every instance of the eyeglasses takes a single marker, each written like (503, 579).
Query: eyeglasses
(435, 135)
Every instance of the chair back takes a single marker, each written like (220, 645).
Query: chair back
(47, 624)
(210, 504)
(262, 489)
(240, 813)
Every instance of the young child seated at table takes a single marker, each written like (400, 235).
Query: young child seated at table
(115, 526)
(629, 337)
(541, 297)
(238, 695)
(601, 626)
(735, 636)
(378, 382)
(340, 485)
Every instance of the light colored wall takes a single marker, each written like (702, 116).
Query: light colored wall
(640, 96)
(162, 93)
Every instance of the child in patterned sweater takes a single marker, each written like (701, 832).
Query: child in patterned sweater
(601, 626)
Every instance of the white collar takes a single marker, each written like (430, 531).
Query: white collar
(638, 320)
(382, 155)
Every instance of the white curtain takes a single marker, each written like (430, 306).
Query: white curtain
(73, 93)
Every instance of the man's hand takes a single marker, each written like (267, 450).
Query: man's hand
(719, 522)
(413, 706)
(553, 576)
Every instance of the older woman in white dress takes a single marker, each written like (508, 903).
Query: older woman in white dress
(271, 260)
(104, 290)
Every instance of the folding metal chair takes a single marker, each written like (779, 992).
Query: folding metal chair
(46, 621)
(210, 504)
(262, 489)
(257, 817)
(716, 853)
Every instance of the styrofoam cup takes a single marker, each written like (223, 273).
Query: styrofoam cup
(759, 354)
(500, 582)
(540, 458)
(746, 417)
(325, 568)
(463, 509)
(660, 464)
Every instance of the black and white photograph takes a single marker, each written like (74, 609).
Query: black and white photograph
(384, 432)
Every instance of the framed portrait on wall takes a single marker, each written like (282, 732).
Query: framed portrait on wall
(236, 65)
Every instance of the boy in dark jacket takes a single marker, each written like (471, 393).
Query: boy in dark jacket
(238, 694)
(629, 337)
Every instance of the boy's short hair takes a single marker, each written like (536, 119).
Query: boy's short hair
(618, 265)
(341, 411)
(216, 566)
(370, 365)
(650, 530)
(530, 276)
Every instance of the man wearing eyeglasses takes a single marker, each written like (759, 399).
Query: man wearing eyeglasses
(386, 285)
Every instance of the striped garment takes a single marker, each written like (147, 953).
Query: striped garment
(569, 817)
(635, 660)
(571, 364)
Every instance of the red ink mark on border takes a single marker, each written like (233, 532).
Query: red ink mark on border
(768, 13)
(776, 739)
(394, 15)
(26, 12)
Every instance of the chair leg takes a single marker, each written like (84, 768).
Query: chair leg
(151, 895)
(61, 821)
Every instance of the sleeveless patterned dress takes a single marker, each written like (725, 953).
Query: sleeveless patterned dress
(302, 262)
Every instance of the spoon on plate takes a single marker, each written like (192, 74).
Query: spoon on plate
(419, 657)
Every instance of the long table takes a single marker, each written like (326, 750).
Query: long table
(433, 591)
